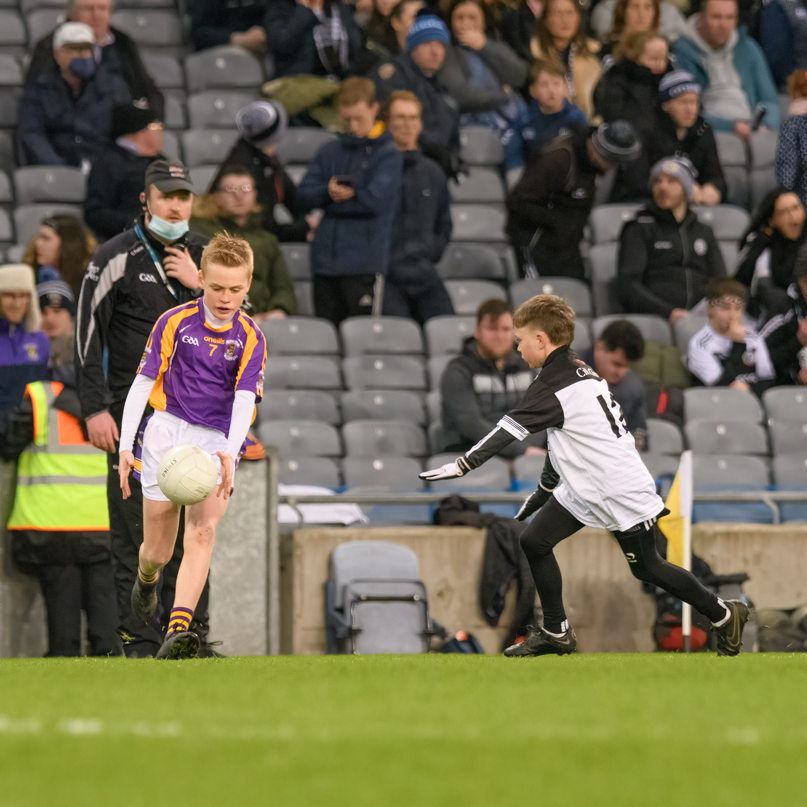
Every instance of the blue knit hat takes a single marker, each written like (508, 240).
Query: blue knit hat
(427, 28)
(677, 83)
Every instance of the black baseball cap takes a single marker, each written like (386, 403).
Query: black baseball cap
(168, 176)
(129, 118)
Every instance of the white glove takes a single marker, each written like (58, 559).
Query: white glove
(450, 471)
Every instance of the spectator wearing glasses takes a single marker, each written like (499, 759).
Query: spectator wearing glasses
(113, 188)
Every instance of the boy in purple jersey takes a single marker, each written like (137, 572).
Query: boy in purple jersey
(202, 373)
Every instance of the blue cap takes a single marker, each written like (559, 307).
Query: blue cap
(427, 28)
(676, 83)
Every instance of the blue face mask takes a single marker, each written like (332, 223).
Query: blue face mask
(84, 68)
(170, 231)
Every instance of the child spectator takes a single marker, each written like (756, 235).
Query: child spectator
(791, 154)
(550, 113)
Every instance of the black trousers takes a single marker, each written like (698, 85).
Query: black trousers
(553, 523)
(337, 298)
(419, 298)
(543, 262)
(126, 535)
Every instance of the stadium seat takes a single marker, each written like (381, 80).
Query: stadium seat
(383, 405)
(790, 473)
(302, 372)
(479, 185)
(785, 403)
(469, 261)
(582, 335)
(301, 438)
(16, 252)
(49, 183)
(165, 69)
(222, 67)
(298, 404)
(378, 438)
(434, 406)
(493, 475)
(436, 438)
(721, 403)
(730, 473)
(300, 335)
(319, 471)
(6, 232)
(30, 5)
(171, 145)
(40, 23)
(664, 437)
(296, 172)
(659, 465)
(528, 468)
(685, 329)
(447, 334)
(10, 71)
(788, 437)
(6, 144)
(436, 367)
(480, 146)
(478, 223)
(575, 292)
(384, 372)
(762, 176)
(202, 176)
(602, 262)
(27, 218)
(175, 115)
(728, 222)
(652, 328)
(362, 336)
(300, 144)
(606, 221)
(205, 147)
(298, 260)
(6, 195)
(390, 473)
(726, 437)
(304, 292)
(216, 109)
(151, 28)
(9, 102)
(731, 255)
(467, 295)
(732, 155)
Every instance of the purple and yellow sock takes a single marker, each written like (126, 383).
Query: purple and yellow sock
(180, 620)
(147, 579)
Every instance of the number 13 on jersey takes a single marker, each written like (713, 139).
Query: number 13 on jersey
(616, 421)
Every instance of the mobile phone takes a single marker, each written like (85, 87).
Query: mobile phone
(759, 114)
(345, 180)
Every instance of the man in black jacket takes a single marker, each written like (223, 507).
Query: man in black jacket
(133, 279)
(549, 207)
(114, 49)
(234, 22)
(422, 226)
(415, 71)
(118, 174)
(667, 256)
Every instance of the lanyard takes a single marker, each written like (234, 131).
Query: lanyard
(139, 233)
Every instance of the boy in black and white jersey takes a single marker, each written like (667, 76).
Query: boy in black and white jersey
(593, 476)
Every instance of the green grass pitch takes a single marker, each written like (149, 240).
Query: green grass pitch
(405, 730)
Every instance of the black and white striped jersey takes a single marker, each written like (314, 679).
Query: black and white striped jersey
(603, 481)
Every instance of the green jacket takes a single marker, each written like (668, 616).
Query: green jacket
(271, 287)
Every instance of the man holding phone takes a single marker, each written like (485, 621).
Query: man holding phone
(355, 180)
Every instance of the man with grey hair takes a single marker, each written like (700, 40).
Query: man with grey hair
(112, 48)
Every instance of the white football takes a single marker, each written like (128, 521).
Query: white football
(187, 474)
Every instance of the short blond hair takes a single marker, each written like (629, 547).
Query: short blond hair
(547, 313)
(355, 90)
(405, 95)
(228, 250)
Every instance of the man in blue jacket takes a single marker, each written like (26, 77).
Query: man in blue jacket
(731, 69)
(355, 180)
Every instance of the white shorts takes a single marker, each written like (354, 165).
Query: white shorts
(621, 515)
(164, 432)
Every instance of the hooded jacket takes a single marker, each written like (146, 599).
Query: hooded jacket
(781, 336)
(665, 264)
(476, 394)
(353, 237)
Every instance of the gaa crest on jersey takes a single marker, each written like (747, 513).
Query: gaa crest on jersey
(33, 351)
(229, 349)
(143, 359)
(700, 246)
(260, 385)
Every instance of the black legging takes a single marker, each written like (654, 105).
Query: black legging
(553, 522)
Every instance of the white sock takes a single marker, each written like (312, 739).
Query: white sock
(564, 626)
(725, 618)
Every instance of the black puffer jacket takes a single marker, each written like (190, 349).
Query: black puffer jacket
(629, 91)
(665, 264)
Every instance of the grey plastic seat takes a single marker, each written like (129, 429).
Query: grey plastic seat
(785, 403)
(732, 155)
(575, 292)
(686, 328)
(27, 218)
(659, 465)
(602, 262)
(9, 106)
(298, 260)
(300, 144)
(6, 144)
(216, 109)
(292, 336)
(175, 114)
(165, 70)
(296, 172)
(480, 146)
(40, 23)
(652, 328)
(304, 292)
(298, 404)
(377, 438)
(712, 472)
(172, 148)
(383, 405)
(202, 176)
(664, 437)
(207, 147)
(6, 231)
(446, 335)
(788, 437)
(437, 441)
(384, 372)
(302, 372)
(728, 222)
(363, 336)
(606, 221)
(582, 335)
(10, 71)
(478, 223)
(470, 261)
(721, 403)
(479, 185)
(49, 183)
(790, 471)
(760, 182)
(151, 28)
(319, 471)
(6, 195)
(467, 295)
(390, 473)
(726, 437)
(222, 67)
(301, 438)
(436, 367)
(528, 468)
(493, 475)
(434, 406)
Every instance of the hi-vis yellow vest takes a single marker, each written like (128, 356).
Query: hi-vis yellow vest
(61, 478)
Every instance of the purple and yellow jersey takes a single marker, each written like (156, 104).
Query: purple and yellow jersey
(199, 368)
